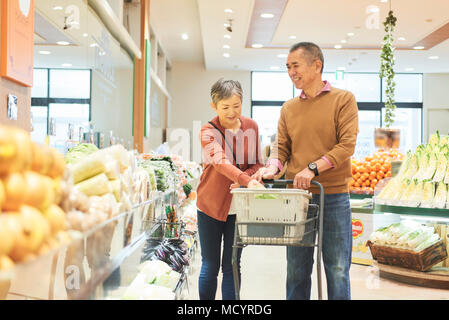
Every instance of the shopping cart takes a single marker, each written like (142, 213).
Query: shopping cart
(277, 216)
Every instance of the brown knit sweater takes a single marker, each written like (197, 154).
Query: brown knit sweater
(220, 171)
(326, 125)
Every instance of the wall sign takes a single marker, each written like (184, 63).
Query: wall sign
(17, 41)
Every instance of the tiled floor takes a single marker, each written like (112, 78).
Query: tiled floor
(264, 274)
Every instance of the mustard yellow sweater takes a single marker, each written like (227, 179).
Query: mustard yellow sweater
(326, 125)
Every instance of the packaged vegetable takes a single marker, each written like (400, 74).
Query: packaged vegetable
(88, 167)
(112, 169)
(428, 194)
(439, 200)
(95, 186)
(79, 152)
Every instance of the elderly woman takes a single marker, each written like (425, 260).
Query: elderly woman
(232, 154)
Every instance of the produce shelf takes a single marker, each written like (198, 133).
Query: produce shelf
(428, 212)
(359, 196)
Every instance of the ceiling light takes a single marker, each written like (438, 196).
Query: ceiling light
(338, 46)
(227, 36)
(409, 69)
(401, 39)
(434, 57)
(267, 15)
(282, 55)
(57, 8)
(226, 46)
(226, 55)
(184, 36)
(383, 1)
(257, 45)
(66, 64)
(228, 10)
(374, 9)
(274, 68)
(418, 47)
(343, 41)
(350, 34)
(63, 43)
(44, 52)
(292, 37)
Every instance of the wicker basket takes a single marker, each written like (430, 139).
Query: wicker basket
(419, 261)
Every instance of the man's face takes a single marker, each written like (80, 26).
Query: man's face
(301, 70)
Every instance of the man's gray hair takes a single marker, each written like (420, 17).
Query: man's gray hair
(224, 89)
(311, 50)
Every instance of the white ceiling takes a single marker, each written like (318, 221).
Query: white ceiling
(325, 22)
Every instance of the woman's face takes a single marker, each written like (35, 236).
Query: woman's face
(229, 111)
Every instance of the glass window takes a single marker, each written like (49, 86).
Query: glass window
(76, 114)
(271, 86)
(73, 84)
(364, 86)
(408, 88)
(368, 121)
(40, 83)
(39, 122)
(408, 120)
(267, 118)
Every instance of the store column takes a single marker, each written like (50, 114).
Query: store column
(17, 44)
(140, 78)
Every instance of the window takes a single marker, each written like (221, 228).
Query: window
(271, 89)
(62, 94)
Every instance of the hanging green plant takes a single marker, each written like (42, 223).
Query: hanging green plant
(386, 68)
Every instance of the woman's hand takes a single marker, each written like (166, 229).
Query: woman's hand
(234, 186)
(265, 173)
(254, 184)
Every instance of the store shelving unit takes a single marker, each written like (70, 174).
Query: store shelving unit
(86, 267)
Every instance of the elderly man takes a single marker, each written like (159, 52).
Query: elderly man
(316, 134)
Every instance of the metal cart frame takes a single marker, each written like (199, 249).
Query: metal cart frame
(318, 227)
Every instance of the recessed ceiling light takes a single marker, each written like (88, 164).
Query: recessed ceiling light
(227, 36)
(85, 35)
(338, 46)
(257, 45)
(66, 64)
(434, 57)
(350, 34)
(57, 8)
(401, 39)
(383, 1)
(418, 47)
(274, 68)
(184, 36)
(343, 41)
(292, 37)
(409, 69)
(228, 10)
(63, 43)
(282, 55)
(226, 46)
(226, 55)
(267, 15)
(374, 9)
(44, 52)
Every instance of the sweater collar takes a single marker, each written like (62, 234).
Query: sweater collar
(327, 87)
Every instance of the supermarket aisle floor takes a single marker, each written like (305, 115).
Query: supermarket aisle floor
(264, 274)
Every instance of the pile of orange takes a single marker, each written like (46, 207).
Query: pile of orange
(367, 173)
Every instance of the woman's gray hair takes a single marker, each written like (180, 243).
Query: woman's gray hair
(224, 89)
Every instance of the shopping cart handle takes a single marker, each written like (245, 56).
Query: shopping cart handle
(289, 181)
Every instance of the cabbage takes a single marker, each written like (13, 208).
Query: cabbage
(439, 200)
(79, 152)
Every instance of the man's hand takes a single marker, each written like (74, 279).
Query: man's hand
(234, 186)
(254, 184)
(265, 173)
(303, 178)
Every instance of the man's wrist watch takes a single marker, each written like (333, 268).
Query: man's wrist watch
(313, 167)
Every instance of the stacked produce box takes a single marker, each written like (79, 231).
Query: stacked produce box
(423, 177)
(367, 173)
